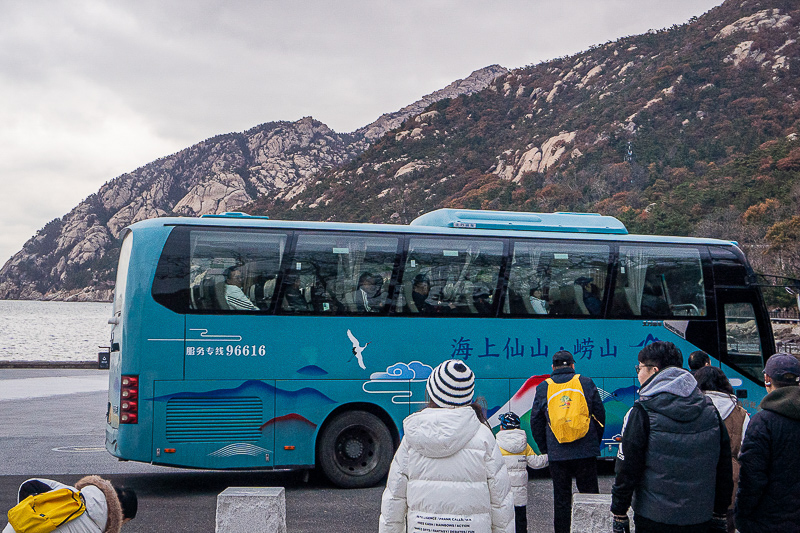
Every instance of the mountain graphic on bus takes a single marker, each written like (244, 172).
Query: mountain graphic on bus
(647, 340)
(255, 387)
(312, 370)
(288, 418)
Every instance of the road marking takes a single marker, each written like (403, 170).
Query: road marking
(26, 388)
(79, 449)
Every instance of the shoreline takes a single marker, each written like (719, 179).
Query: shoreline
(50, 364)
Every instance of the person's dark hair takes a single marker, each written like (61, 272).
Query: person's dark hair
(698, 359)
(366, 276)
(230, 270)
(661, 354)
(128, 501)
(421, 278)
(711, 378)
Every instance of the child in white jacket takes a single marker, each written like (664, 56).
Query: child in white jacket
(518, 455)
(448, 473)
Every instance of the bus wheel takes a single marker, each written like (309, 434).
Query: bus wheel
(355, 449)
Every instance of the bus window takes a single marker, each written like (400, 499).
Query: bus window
(744, 342)
(339, 273)
(556, 279)
(451, 277)
(659, 281)
(233, 270)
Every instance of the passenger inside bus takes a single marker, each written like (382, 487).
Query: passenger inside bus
(367, 298)
(235, 298)
(293, 299)
(591, 297)
(653, 301)
(419, 294)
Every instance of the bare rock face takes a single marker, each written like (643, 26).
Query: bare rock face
(477, 81)
(74, 258)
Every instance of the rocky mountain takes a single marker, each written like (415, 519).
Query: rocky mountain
(690, 130)
(74, 257)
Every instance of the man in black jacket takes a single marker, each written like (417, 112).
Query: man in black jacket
(576, 459)
(675, 454)
(769, 486)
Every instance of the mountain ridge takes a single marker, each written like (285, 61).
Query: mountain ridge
(73, 257)
(688, 130)
(671, 131)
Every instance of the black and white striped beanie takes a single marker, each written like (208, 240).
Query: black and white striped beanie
(451, 384)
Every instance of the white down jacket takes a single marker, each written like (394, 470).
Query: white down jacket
(518, 455)
(448, 474)
(103, 511)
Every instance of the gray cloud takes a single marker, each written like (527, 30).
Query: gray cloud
(92, 89)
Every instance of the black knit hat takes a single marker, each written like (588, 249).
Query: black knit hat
(451, 384)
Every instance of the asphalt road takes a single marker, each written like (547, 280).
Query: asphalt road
(59, 435)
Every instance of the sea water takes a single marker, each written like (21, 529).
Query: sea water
(53, 331)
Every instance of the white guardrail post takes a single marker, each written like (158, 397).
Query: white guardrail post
(591, 513)
(251, 510)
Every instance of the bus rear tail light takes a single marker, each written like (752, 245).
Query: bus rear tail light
(129, 409)
(128, 418)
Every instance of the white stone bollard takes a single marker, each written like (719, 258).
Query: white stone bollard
(591, 513)
(251, 510)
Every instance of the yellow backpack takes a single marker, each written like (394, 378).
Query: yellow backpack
(42, 513)
(568, 410)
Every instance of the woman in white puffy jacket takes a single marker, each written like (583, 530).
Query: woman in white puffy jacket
(448, 473)
(518, 456)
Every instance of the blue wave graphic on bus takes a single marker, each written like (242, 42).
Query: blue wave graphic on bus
(648, 340)
(626, 395)
(412, 370)
(312, 370)
(253, 386)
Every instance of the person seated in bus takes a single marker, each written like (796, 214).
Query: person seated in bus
(420, 289)
(591, 295)
(293, 299)
(482, 300)
(653, 302)
(235, 298)
(261, 291)
(538, 302)
(366, 298)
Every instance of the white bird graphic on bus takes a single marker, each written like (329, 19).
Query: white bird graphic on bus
(357, 350)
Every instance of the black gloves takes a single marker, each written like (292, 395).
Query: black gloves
(719, 524)
(622, 524)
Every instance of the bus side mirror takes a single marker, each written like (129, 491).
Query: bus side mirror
(741, 393)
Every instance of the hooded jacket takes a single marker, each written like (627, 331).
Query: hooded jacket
(725, 404)
(674, 460)
(769, 487)
(103, 511)
(518, 455)
(448, 472)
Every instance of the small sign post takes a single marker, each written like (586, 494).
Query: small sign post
(103, 357)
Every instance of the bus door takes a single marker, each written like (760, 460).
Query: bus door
(745, 340)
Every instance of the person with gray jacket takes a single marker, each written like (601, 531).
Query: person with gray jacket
(107, 507)
(448, 473)
(674, 462)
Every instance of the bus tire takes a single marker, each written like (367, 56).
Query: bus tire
(355, 449)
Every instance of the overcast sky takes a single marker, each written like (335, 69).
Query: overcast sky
(92, 89)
